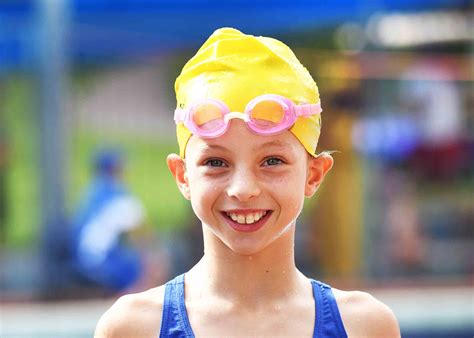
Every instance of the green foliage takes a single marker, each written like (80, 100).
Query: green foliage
(22, 216)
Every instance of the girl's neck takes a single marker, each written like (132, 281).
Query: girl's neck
(269, 274)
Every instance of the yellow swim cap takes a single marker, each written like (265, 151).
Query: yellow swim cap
(235, 68)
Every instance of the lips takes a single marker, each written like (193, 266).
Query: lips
(246, 220)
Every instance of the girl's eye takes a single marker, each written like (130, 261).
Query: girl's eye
(214, 162)
(271, 161)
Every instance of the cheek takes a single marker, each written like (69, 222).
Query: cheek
(295, 191)
(289, 190)
(203, 196)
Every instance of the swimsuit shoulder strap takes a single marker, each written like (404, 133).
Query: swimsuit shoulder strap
(328, 321)
(174, 319)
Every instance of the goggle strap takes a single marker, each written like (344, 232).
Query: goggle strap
(179, 115)
(307, 110)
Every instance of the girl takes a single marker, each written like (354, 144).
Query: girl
(248, 122)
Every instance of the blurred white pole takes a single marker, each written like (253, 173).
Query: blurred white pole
(53, 24)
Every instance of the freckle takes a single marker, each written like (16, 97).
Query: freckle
(266, 271)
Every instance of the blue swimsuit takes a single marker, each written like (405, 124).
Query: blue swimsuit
(175, 322)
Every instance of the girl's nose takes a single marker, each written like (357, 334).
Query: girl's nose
(243, 186)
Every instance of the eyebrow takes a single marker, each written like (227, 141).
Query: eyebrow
(214, 146)
(274, 144)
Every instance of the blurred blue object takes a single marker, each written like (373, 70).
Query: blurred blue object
(105, 30)
(101, 253)
(108, 161)
(388, 137)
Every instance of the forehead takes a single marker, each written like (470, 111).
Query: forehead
(240, 140)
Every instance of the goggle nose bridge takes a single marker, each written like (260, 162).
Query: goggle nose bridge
(236, 115)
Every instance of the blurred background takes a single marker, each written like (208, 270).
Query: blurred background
(86, 122)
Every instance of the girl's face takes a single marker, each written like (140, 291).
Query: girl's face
(247, 189)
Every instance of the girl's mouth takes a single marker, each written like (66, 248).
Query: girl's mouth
(246, 220)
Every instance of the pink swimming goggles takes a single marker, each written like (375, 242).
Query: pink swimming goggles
(265, 115)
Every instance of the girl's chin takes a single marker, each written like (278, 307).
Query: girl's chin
(228, 243)
(245, 247)
(244, 243)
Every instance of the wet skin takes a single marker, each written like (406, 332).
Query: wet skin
(242, 173)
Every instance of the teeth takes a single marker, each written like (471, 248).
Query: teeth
(247, 218)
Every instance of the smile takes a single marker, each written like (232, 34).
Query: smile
(246, 220)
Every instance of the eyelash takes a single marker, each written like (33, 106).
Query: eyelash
(221, 164)
(280, 161)
(209, 163)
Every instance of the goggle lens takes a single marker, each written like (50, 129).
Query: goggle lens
(267, 114)
(207, 116)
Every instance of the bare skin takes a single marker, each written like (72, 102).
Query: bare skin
(247, 284)
(139, 315)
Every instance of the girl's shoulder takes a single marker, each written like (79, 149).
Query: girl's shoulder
(133, 315)
(364, 315)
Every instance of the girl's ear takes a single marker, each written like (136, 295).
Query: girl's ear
(177, 166)
(318, 167)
